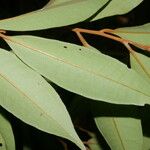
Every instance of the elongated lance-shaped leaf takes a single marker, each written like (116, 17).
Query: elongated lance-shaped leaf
(120, 132)
(66, 12)
(7, 142)
(144, 61)
(2, 143)
(24, 93)
(54, 16)
(90, 74)
(122, 8)
(138, 34)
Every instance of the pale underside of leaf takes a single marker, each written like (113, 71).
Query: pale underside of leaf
(118, 132)
(146, 143)
(145, 61)
(6, 134)
(123, 6)
(55, 14)
(60, 3)
(80, 71)
(2, 142)
(138, 34)
(121, 131)
(34, 100)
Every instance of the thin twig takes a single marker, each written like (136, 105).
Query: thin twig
(82, 39)
(2, 31)
(106, 33)
(109, 33)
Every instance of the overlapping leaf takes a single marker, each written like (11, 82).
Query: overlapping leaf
(139, 34)
(117, 7)
(120, 132)
(6, 135)
(143, 60)
(66, 12)
(90, 74)
(55, 16)
(29, 97)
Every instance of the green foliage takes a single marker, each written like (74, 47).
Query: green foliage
(31, 94)
(34, 64)
(6, 134)
(61, 13)
(82, 71)
(121, 132)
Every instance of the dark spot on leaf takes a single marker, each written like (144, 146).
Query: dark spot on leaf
(1, 144)
(79, 49)
(65, 46)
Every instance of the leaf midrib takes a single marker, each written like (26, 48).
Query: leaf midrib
(30, 99)
(116, 127)
(73, 65)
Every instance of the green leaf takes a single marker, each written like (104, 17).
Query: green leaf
(54, 16)
(89, 74)
(117, 7)
(146, 143)
(60, 3)
(6, 134)
(142, 66)
(24, 93)
(139, 34)
(61, 13)
(121, 131)
(2, 143)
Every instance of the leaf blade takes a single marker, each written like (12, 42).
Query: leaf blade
(6, 134)
(2, 142)
(122, 8)
(80, 71)
(139, 34)
(144, 61)
(55, 14)
(34, 100)
(121, 133)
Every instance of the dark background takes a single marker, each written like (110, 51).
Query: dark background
(9, 8)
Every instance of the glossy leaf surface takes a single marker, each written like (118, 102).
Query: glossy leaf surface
(90, 74)
(24, 93)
